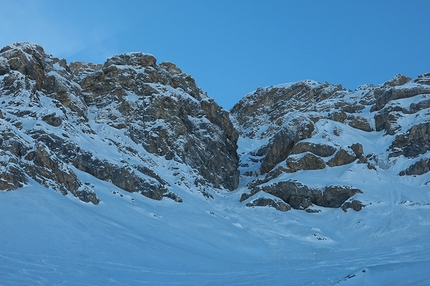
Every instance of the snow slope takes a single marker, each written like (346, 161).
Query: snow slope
(128, 239)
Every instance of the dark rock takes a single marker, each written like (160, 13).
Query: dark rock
(246, 196)
(184, 135)
(4, 67)
(28, 59)
(339, 116)
(173, 196)
(415, 107)
(322, 150)
(335, 196)
(342, 157)
(308, 162)
(418, 168)
(359, 123)
(299, 196)
(357, 148)
(386, 119)
(131, 59)
(414, 142)
(123, 177)
(52, 119)
(299, 202)
(262, 202)
(384, 96)
(278, 150)
(312, 211)
(354, 204)
(12, 177)
(398, 80)
(87, 195)
(423, 79)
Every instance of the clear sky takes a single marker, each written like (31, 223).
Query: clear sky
(231, 47)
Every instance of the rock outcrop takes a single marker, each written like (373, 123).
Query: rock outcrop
(309, 128)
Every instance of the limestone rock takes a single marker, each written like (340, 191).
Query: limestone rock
(418, 168)
(299, 196)
(335, 196)
(342, 157)
(322, 150)
(308, 162)
(386, 119)
(278, 149)
(423, 79)
(398, 80)
(412, 143)
(354, 204)
(12, 177)
(52, 119)
(359, 123)
(386, 95)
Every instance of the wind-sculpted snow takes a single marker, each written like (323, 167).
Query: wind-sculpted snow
(127, 173)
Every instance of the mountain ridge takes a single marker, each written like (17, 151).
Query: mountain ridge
(138, 108)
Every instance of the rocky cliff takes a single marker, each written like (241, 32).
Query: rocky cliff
(148, 128)
(129, 121)
(306, 131)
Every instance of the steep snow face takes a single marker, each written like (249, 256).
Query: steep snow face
(96, 158)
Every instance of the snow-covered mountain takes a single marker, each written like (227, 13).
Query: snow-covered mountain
(128, 173)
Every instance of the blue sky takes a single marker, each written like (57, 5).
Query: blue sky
(233, 47)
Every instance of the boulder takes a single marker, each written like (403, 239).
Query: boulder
(308, 162)
(354, 204)
(359, 122)
(335, 196)
(263, 202)
(321, 150)
(299, 196)
(342, 157)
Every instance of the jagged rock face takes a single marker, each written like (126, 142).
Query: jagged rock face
(308, 128)
(420, 167)
(147, 128)
(168, 114)
(109, 121)
(414, 142)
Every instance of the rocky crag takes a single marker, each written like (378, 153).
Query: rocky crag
(306, 131)
(148, 128)
(120, 122)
